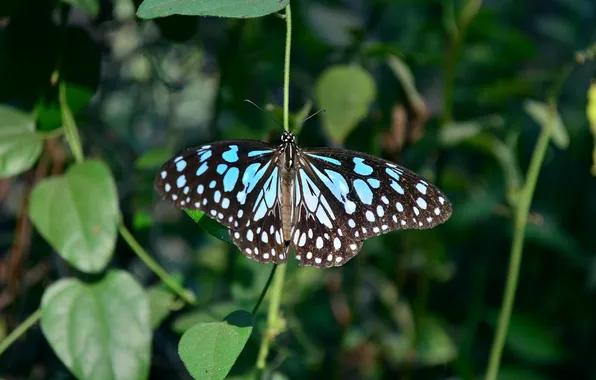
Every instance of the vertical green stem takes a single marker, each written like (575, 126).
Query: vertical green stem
(274, 325)
(286, 105)
(20, 330)
(521, 219)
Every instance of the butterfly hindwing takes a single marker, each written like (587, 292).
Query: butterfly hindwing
(261, 236)
(347, 197)
(222, 179)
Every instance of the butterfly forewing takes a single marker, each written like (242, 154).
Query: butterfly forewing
(344, 197)
(222, 179)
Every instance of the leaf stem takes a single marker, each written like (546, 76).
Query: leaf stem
(185, 294)
(20, 330)
(264, 291)
(286, 106)
(521, 219)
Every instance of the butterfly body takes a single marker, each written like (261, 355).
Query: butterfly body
(321, 202)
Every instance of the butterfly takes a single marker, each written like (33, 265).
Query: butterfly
(321, 202)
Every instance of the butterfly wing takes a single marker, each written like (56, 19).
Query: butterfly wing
(344, 197)
(234, 182)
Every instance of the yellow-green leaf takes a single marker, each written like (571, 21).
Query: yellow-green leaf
(591, 112)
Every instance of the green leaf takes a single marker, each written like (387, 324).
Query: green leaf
(221, 8)
(211, 226)
(153, 159)
(214, 313)
(20, 146)
(78, 214)
(91, 7)
(346, 93)
(546, 117)
(209, 350)
(99, 331)
(435, 345)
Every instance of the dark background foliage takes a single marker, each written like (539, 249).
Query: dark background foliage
(412, 304)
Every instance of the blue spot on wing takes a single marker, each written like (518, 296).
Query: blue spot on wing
(205, 155)
(324, 158)
(363, 191)
(230, 179)
(258, 152)
(231, 155)
(360, 167)
(202, 169)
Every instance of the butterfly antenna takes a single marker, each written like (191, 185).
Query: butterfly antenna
(311, 116)
(265, 112)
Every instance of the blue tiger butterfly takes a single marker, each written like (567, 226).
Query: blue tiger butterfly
(322, 202)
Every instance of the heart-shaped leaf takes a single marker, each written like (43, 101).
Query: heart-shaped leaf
(221, 8)
(346, 93)
(99, 331)
(209, 350)
(78, 214)
(20, 146)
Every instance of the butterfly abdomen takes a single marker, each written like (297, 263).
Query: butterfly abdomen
(287, 199)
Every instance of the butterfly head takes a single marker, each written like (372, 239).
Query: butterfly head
(288, 138)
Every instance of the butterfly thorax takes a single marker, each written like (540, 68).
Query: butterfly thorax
(288, 173)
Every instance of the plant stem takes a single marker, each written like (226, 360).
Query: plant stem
(264, 292)
(20, 330)
(274, 325)
(185, 294)
(273, 322)
(286, 106)
(521, 219)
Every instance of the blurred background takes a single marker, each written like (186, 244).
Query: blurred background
(455, 99)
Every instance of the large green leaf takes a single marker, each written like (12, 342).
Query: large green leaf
(221, 8)
(78, 214)
(100, 331)
(345, 93)
(20, 146)
(209, 350)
